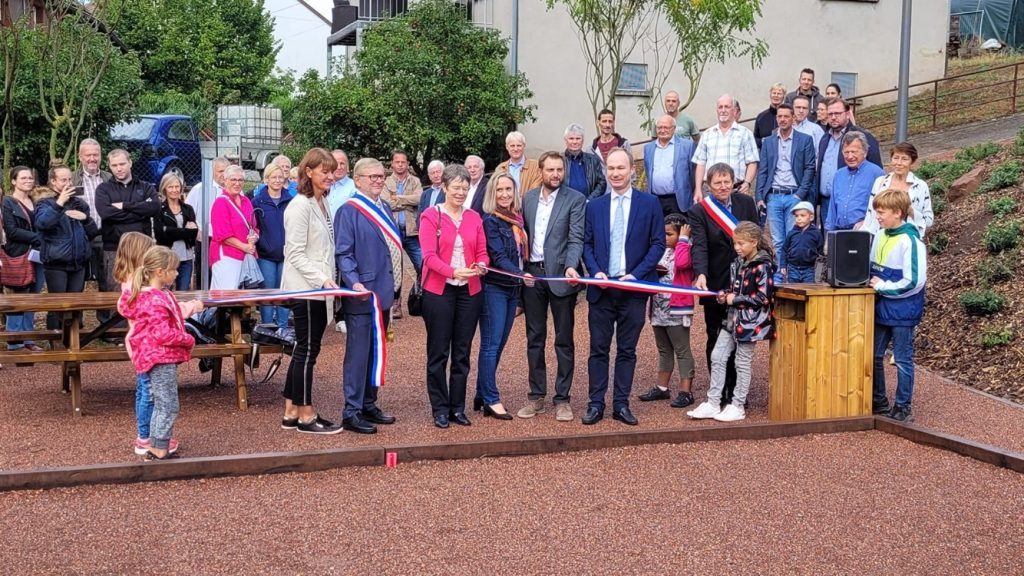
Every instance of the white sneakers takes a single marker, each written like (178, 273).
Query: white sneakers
(340, 327)
(731, 413)
(705, 410)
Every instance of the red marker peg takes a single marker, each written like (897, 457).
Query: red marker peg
(391, 459)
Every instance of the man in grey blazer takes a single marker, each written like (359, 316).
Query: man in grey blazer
(554, 220)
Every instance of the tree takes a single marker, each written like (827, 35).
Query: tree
(76, 56)
(55, 91)
(608, 31)
(223, 50)
(428, 81)
(713, 31)
(10, 50)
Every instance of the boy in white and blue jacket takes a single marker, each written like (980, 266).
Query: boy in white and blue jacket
(898, 273)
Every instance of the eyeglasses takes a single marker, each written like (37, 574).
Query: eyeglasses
(236, 180)
(374, 177)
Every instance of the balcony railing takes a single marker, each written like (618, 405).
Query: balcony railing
(349, 16)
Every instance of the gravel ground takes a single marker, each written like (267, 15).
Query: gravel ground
(37, 429)
(867, 503)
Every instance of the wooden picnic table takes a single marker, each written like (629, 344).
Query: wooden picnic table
(71, 344)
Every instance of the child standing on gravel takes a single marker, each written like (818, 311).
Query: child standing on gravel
(158, 341)
(130, 251)
(751, 319)
(899, 269)
(672, 315)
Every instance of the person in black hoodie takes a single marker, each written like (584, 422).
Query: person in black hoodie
(124, 204)
(66, 231)
(175, 227)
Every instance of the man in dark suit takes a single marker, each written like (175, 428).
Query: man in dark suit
(553, 219)
(830, 150)
(432, 194)
(477, 183)
(624, 239)
(367, 259)
(785, 175)
(712, 252)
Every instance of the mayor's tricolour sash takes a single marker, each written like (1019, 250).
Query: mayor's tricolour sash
(378, 217)
(720, 214)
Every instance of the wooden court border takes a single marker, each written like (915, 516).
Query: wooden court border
(329, 459)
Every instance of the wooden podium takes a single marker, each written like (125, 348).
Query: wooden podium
(821, 361)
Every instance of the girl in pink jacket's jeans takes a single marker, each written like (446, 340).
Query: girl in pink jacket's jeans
(158, 341)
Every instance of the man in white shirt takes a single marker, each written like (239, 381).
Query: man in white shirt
(477, 183)
(343, 187)
(553, 217)
(726, 142)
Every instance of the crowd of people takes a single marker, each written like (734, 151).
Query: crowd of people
(723, 216)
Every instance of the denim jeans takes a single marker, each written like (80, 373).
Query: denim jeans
(780, 219)
(184, 281)
(26, 321)
(724, 348)
(797, 274)
(163, 383)
(496, 319)
(411, 246)
(902, 338)
(143, 404)
(272, 279)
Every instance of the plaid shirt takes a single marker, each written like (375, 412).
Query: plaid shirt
(736, 148)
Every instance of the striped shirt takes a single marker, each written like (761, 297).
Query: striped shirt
(736, 148)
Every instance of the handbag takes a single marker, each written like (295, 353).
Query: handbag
(17, 271)
(251, 276)
(415, 303)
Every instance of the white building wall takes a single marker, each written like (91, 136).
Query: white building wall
(826, 35)
(301, 34)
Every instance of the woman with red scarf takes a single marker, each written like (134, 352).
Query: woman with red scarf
(506, 248)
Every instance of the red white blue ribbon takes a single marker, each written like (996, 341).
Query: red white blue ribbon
(379, 363)
(720, 214)
(378, 217)
(627, 285)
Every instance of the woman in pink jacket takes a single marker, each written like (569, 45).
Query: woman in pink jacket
(234, 232)
(454, 247)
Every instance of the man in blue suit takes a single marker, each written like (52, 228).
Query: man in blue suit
(624, 238)
(367, 259)
(667, 165)
(785, 175)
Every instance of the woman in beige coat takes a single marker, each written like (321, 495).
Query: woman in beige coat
(308, 265)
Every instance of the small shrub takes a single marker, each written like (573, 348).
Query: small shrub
(938, 205)
(928, 169)
(994, 269)
(1005, 175)
(938, 243)
(1018, 144)
(1002, 206)
(1001, 235)
(996, 337)
(938, 188)
(982, 302)
(978, 152)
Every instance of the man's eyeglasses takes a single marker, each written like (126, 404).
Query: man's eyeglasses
(374, 177)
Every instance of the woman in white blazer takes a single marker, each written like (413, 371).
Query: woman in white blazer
(308, 265)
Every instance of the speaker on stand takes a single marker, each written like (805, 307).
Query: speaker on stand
(848, 260)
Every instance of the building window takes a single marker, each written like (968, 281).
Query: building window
(633, 80)
(847, 83)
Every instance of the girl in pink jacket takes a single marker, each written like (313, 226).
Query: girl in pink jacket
(672, 315)
(158, 341)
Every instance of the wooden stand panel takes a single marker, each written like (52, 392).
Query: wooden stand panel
(820, 364)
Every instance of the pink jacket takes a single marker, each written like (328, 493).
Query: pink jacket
(226, 223)
(158, 329)
(437, 251)
(682, 304)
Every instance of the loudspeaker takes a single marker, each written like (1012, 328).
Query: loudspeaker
(848, 264)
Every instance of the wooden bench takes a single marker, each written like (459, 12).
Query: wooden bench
(71, 343)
